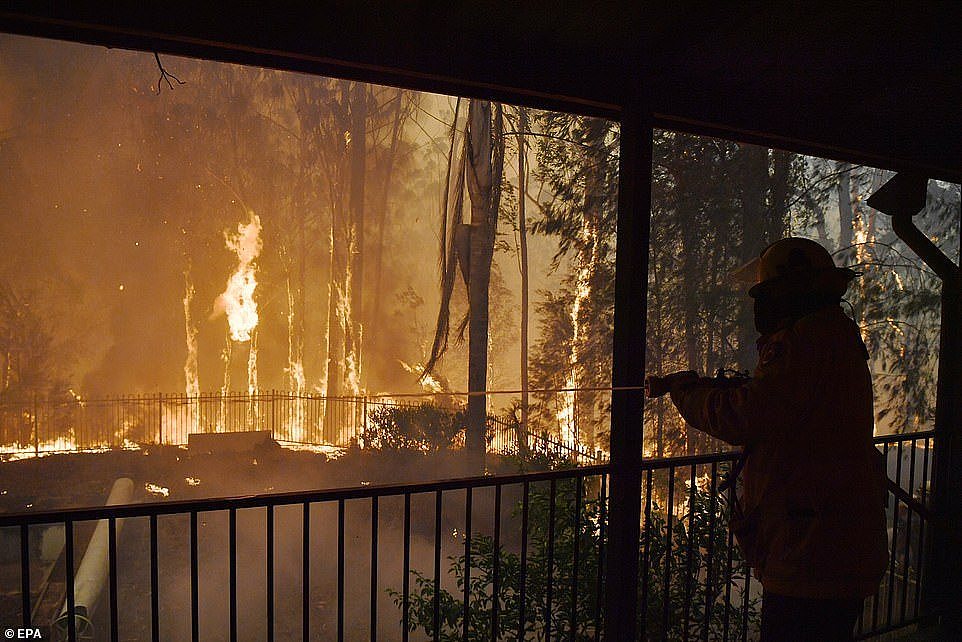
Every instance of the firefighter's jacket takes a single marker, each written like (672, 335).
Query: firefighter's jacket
(811, 520)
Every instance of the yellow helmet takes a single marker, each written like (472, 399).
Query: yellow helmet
(797, 265)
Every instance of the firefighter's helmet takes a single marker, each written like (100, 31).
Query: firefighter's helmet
(796, 266)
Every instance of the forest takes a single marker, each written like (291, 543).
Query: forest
(176, 225)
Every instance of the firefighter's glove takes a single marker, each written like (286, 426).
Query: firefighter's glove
(658, 386)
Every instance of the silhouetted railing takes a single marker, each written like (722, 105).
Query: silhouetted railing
(505, 557)
(898, 603)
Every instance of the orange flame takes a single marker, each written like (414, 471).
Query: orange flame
(237, 301)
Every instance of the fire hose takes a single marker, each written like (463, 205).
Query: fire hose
(91, 576)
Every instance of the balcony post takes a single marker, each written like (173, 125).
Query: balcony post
(902, 197)
(628, 370)
(942, 591)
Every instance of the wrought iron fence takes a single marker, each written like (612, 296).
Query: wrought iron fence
(113, 422)
(507, 557)
(66, 425)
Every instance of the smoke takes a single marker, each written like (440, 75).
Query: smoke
(118, 205)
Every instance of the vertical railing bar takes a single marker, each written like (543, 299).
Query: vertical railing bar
(710, 549)
(666, 590)
(468, 495)
(726, 621)
(921, 549)
(406, 579)
(71, 597)
(552, 500)
(599, 589)
(340, 570)
(25, 575)
(154, 582)
(579, 487)
(646, 558)
(890, 593)
(374, 528)
(908, 535)
(496, 562)
(306, 571)
(437, 566)
(689, 553)
(270, 573)
(523, 580)
(112, 577)
(876, 598)
(232, 553)
(745, 602)
(194, 580)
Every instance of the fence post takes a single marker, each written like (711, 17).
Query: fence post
(36, 426)
(363, 420)
(160, 418)
(273, 413)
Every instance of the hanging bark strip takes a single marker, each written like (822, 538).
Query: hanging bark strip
(450, 220)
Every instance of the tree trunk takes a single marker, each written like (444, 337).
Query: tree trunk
(523, 241)
(354, 278)
(845, 216)
(381, 209)
(485, 165)
(754, 227)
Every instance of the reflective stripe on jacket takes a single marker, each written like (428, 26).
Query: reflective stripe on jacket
(813, 486)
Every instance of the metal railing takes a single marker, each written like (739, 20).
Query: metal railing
(898, 603)
(507, 557)
(69, 425)
(47, 425)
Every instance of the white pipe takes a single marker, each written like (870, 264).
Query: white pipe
(92, 574)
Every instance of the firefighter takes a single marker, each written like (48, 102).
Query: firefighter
(810, 519)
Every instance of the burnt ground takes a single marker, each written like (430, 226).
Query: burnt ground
(84, 479)
(70, 480)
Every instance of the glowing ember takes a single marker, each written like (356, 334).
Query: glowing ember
(154, 489)
(237, 301)
(192, 481)
(332, 452)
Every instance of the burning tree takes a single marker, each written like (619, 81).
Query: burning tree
(471, 247)
(28, 357)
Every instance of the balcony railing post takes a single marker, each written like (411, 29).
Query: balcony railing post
(942, 592)
(628, 369)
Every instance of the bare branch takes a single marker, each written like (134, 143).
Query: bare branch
(165, 75)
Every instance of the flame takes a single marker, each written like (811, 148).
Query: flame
(225, 357)
(352, 357)
(252, 366)
(252, 388)
(567, 420)
(295, 372)
(237, 300)
(63, 444)
(192, 381)
(428, 382)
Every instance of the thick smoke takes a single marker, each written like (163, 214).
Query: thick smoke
(115, 193)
